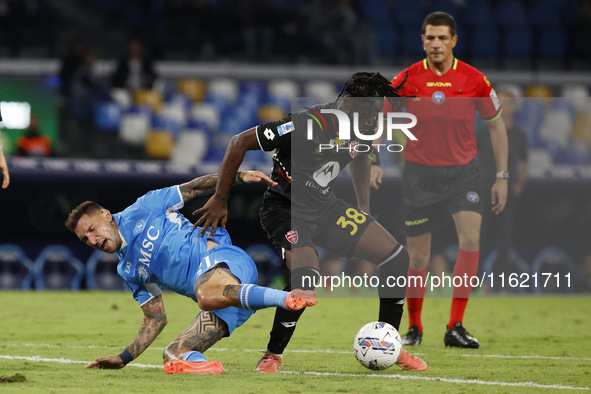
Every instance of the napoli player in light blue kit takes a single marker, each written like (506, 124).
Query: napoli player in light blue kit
(159, 248)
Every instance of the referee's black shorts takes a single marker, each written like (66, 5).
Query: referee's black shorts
(430, 194)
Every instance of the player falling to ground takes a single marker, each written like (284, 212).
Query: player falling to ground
(441, 175)
(158, 247)
(316, 216)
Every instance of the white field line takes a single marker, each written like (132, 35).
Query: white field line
(338, 374)
(327, 351)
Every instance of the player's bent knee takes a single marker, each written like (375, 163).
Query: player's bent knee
(211, 302)
(305, 278)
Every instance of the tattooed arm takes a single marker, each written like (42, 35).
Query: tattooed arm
(205, 185)
(152, 324)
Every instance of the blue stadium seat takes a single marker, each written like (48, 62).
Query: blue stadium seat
(16, 269)
(101, 272)
(171, 126)
(484, 42)
(448, 6)
(546, 13)
(107, 116)
(552, 43)
(408, 13)
(56, 268)
(253, 93)
(479, 13)
(518, 42)
(376, 11)
(530, 117)
(461, 48)
(512, 13)
(555, 260)
(411, 44)
(518, 264)
(386, 38)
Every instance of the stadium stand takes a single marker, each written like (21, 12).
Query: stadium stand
(209, 92)
(56, 268)
(101, 272)
(16, 268)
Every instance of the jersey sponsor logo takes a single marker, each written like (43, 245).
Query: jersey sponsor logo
(128, 267)
(285, 128)
(416, 222)
(439, 84)
(148, 246)
(139, 226)
(325, 174)
(321, 190)
(268, 133)
(292, 236)
(495, 99)
(472, 197)
(438, 97)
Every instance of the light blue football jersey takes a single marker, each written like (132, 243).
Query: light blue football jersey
(160, 246)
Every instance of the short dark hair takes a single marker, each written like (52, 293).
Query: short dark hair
(86, 208)
(440, 18)
(368, 84)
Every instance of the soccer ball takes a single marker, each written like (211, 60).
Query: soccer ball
(377, 346)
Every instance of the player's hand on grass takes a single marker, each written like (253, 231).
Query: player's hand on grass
(213, 213)
(257, 176)
(499, 195)
(375, 177)
(108, 362)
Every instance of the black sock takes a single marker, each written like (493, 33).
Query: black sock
(393, 269)
(285, 321)
(391, 311)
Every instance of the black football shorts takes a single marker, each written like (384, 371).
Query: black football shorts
(430, 194)
(337, 227)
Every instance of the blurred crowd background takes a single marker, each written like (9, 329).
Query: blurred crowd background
(141, 79)
(173, 80)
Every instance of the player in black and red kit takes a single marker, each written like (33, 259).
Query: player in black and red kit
(302, 212)
(441, 174)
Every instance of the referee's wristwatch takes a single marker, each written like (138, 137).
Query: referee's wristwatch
(503, 174)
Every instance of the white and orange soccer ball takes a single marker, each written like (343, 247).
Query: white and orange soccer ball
(377, 346)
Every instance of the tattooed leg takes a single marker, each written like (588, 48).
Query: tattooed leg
(205, 330)
(218, 289)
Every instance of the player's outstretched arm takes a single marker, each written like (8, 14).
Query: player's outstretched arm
(215, 210)
(205, 185)
(152, 324)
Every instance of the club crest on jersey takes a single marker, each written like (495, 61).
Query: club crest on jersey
(472, 197)
(139, 226)
(438, 97)
(353, 148)
(292, 236)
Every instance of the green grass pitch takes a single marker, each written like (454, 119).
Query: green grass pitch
(527, 345)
